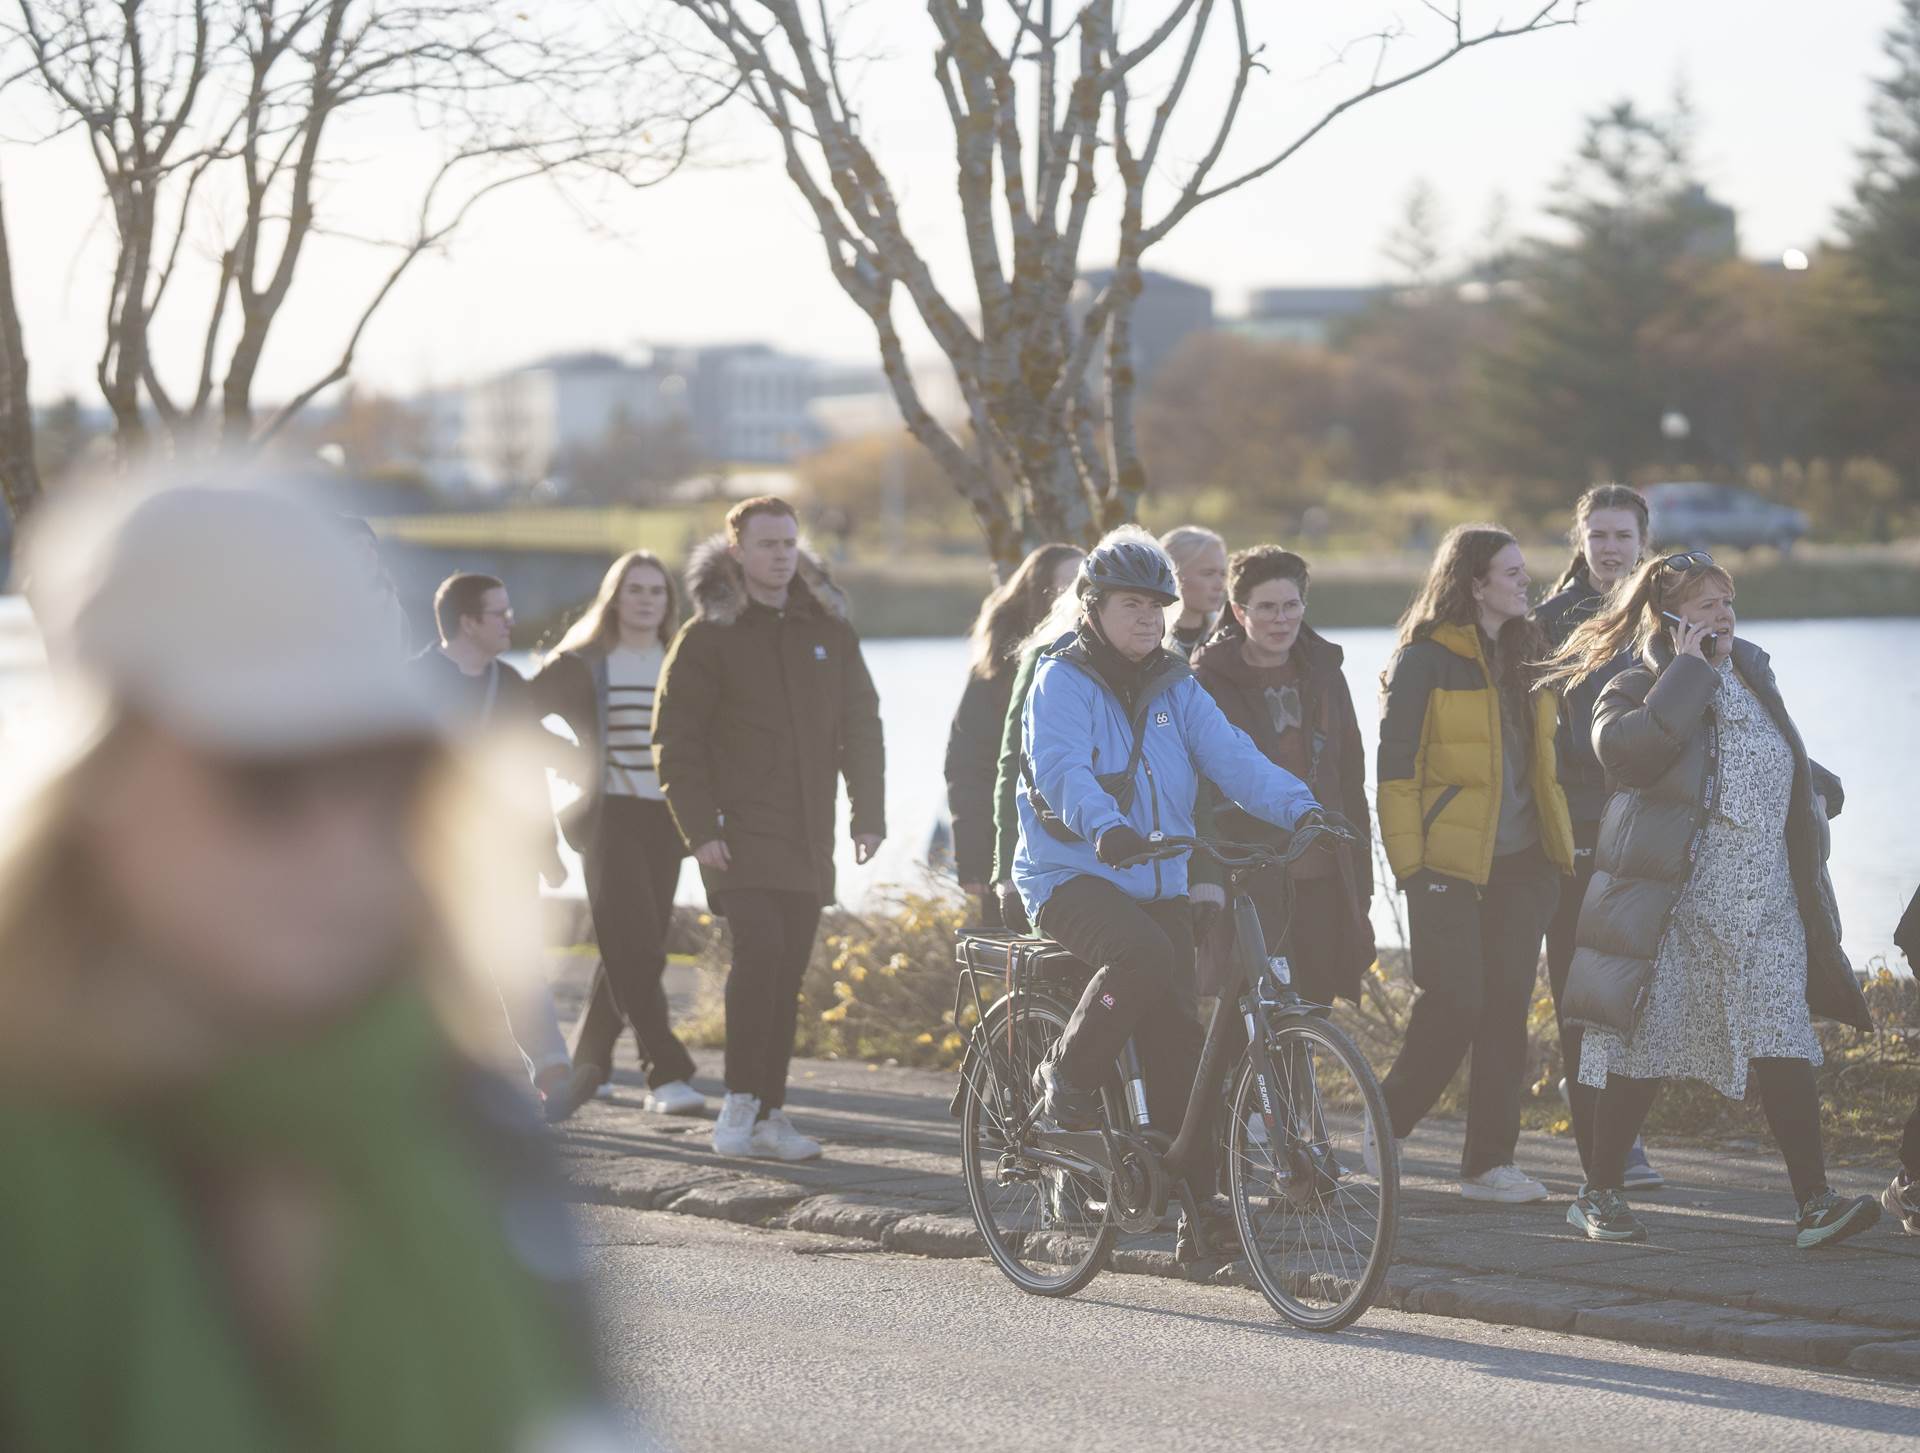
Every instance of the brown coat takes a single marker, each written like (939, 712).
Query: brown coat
(1654, 734)
(1338, 775)
(759, 714)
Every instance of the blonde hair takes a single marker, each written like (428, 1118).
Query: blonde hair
(86, 1015)
(598, 629)
(1185, 544)
(1630, 618)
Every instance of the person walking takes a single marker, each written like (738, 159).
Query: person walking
(482, 694)
(601, 678)
(1902, 1198)
(764, 703)
(1007, 617)
(1475, 825)
(1279, 681)
(261, 1191)
(1609, 535)
(1709, 934)
(1108, 692)
(1200, 564)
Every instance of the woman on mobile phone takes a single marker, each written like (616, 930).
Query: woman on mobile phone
(1708, 936)
(1609, 535)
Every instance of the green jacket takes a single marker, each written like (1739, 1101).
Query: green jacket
(1006, 783)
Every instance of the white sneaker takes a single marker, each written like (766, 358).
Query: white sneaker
(774, 1138)
(1370, 1148)
(733, 1131)
(1506, 1183)
(676, 1097)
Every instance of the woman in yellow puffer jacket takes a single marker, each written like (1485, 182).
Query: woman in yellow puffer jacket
(1477, 832)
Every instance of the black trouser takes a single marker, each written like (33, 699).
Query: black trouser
(773, 932)
(1787, 1094)
(1910, 1143)
(1310, 937)
(1476, 953)
(631, 869)
(1142, 989)
(1560, 932)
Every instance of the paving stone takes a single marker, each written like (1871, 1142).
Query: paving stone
(1796, 1339)
(1511, 1300)
(1900, 1358)
(853, 1214)
(644, 1185)
(935, 1235)
(751, 1200)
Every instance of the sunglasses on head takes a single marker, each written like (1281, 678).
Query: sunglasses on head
(1687, 560)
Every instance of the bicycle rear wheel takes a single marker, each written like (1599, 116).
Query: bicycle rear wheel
(1047, 1228)
(1317, 1225)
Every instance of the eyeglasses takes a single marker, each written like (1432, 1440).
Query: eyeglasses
(1687, 560)
(1269, 611)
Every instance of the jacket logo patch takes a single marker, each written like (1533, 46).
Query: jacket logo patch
(1436, 887)
(1160, 718)
(1107, 999)
(819, 653)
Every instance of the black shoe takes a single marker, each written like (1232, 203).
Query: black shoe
(1066, 1105)
(1829, 1217)
(1218, 1237)
(1902, 1200)
(1604, 1216)
(586, 1078)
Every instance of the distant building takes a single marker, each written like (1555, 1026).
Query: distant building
(1167, 310)
(1305, 315)
(1715, 229)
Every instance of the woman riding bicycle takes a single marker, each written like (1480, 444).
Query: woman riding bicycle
(1115, 738)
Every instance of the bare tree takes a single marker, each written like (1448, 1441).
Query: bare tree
(1050, 449)
(19, 476)
(187, 104)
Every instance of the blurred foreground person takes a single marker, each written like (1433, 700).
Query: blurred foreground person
(258, 1194)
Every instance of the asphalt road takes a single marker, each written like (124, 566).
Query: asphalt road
(724, 1338)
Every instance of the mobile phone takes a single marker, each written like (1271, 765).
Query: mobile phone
(1709, 638)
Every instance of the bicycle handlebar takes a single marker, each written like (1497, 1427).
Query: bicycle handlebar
(1246, 855)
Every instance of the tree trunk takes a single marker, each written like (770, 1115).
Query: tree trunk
(18, 475)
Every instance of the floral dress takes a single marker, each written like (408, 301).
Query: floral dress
(1730, 982)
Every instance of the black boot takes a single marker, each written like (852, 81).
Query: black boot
(1066, 1105)
(1217, 1238)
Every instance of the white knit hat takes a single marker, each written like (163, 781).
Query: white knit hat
(229, 614)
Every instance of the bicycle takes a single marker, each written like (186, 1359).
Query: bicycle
(1316, 1214)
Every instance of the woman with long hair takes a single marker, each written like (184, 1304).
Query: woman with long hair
(1007, 617)
(1200, 565)
(1609, 535)
(1708, 936)
(600, 679)
(1475, 826)
(263, 1189)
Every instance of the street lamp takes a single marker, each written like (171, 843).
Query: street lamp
(1674, 428)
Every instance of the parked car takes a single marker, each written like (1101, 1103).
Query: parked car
(1698, 513)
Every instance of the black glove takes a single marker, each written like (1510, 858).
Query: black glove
(1312, 817)
(1119, 843)
(1013, 913)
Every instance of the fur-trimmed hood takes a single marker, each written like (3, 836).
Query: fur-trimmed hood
(718, 588)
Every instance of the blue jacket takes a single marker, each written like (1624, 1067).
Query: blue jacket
(1074, 727)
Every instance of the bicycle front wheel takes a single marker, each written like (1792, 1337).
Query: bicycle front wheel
(1046, 1227)
(1317, 1220)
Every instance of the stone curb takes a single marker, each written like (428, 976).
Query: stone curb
(1493, 1297)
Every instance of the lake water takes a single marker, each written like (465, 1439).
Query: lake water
(1852, 685)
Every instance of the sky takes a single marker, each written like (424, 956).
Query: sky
(725, 250)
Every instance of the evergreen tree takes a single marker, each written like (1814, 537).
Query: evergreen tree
(1883, 228)
(1574, 393)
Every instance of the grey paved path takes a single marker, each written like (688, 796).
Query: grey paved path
(1721, 1273)
(721, 1337)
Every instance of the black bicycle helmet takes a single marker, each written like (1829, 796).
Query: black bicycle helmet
(1129, 565)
